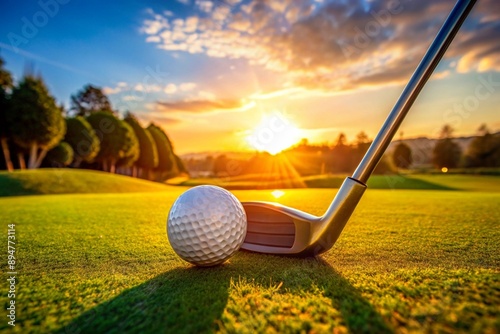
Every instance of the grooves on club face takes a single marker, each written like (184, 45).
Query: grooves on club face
(277, 229)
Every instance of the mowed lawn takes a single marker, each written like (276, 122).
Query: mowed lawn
(407, 261)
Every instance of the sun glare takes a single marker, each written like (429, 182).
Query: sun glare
(274, 134)
(277, 193)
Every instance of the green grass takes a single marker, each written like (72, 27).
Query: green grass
(65, 181)
(414, 181)
(462, 182)
(407, 261)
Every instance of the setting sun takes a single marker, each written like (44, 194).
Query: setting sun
(274, 134)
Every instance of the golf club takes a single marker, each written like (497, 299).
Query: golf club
(276, 229)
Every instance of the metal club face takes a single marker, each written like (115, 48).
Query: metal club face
(277, 229)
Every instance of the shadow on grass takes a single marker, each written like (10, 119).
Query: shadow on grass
(10, 186)
(403, 182)
(192, 300)
(395, 181)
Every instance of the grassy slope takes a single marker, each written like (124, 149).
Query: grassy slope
(407, 260)
(63, 181)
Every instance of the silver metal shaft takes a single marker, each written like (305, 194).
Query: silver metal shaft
(412, 89)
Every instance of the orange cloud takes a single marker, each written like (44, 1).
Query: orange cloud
(205, 106)
(329, 44)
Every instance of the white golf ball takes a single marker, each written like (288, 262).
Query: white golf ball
(206, 225)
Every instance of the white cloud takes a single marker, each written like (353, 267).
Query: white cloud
(153, 39)
(178, 23)
(131, 98)
(147, 88)
(205, 5)
(191, 24)
(170, 89)
(154, 26)
(187, 86)
(220, 13)
(111, 90)
(204, 95)
(183, 87)
(173, 47)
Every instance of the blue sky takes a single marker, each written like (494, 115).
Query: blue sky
(211, 71)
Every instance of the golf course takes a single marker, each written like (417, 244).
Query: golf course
(92, 256)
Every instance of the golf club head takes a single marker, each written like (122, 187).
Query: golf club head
(276, 229)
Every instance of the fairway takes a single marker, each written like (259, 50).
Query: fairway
(407, 261)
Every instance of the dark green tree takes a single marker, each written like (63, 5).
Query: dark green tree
(446, 131)
(167, 164)
(148, 153)
(446, 153)
(117, 139)
(362, 144)
(484, 150)
(401, 157)
(5, 87)
(59, 156)
(89, 100)
(83, 140)
(362, 141)
(131, 149)
(36, 122)
(5, 77)
(341, 159)
(180, 165)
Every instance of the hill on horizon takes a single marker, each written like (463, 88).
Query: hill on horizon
(71, 181)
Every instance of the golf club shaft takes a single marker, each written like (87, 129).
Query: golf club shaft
(412, 89)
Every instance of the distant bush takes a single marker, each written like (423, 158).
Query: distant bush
(484, 150)
(167, 166)
(446, 153)
(118, 140)
(59, 156)
(401, 157)
(148, 153)
(82, 138)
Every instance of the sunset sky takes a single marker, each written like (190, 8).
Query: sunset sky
(211, 72)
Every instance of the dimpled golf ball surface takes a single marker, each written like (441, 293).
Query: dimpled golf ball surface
(206, 225)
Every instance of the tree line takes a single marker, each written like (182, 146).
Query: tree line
(37, 132)
(482, 152)
(343, 157)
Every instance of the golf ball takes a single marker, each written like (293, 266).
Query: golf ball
(206, 225)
